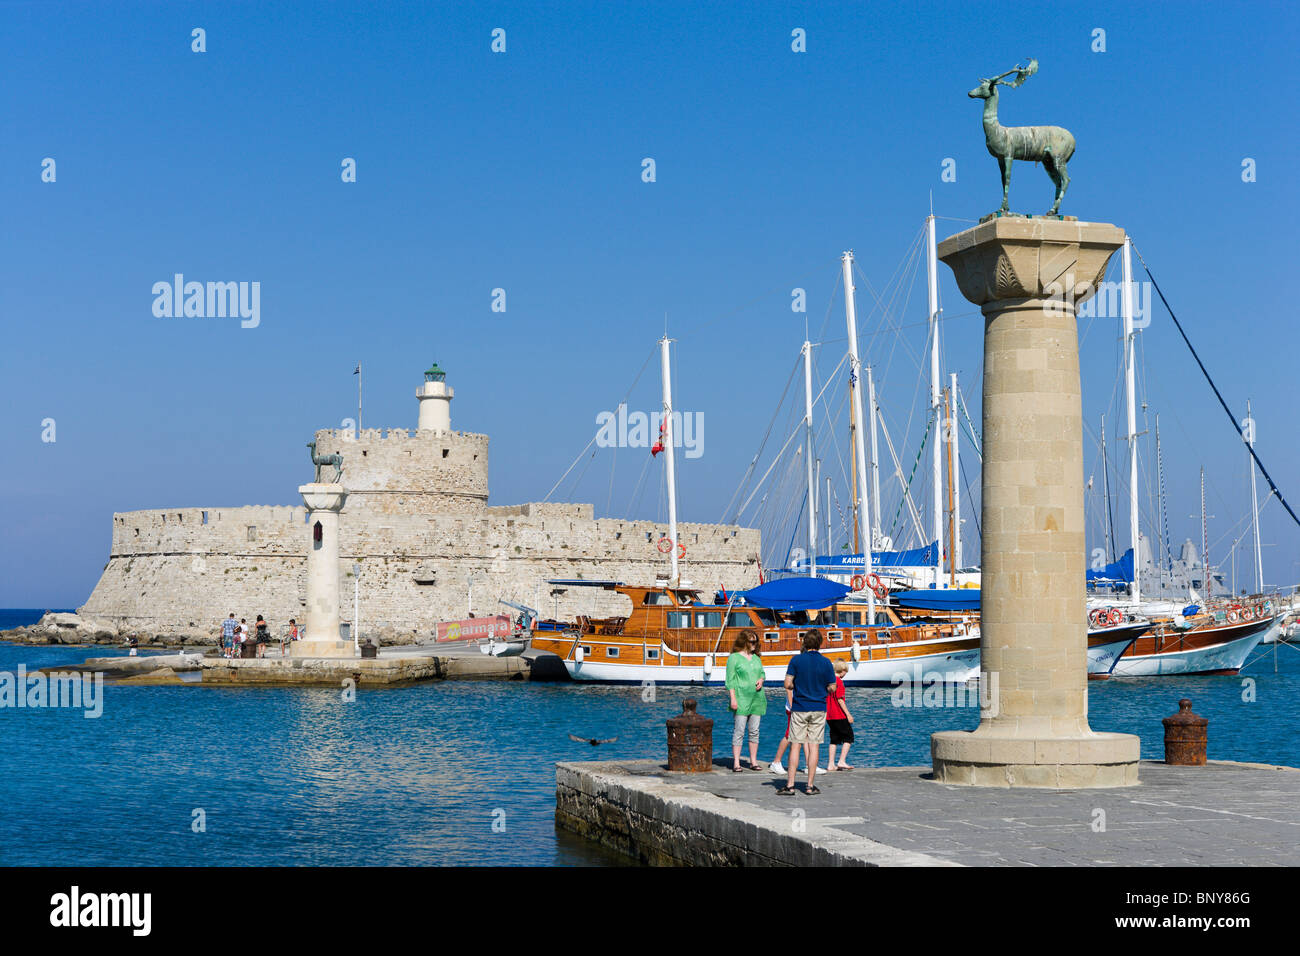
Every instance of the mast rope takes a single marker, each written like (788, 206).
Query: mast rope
(1217, 394)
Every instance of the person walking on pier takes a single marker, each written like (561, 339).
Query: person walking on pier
(228, 627)
(291, 637)
(745, 688)
(811, 678)
(839, 722)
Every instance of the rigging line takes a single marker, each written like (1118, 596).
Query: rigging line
(1232, 418)
(970, 497)
(763, 444)
(700, 326)
(908, 485)
(626, 396)
(775, 460)
(898, 473)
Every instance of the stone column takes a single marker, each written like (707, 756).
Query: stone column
(1028, 275)
(324, 502)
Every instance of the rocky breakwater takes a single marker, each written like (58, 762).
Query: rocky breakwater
(76, 629)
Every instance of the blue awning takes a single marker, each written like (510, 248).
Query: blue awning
(1117, 572)
(795, 594)
(939, 599)
(926, 557)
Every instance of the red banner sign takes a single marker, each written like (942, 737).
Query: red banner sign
(473, 629)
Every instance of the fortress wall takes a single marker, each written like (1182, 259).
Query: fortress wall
(169, 572)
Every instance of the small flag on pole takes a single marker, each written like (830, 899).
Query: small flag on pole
(357, 370)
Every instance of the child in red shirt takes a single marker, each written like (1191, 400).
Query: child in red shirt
(839, 722)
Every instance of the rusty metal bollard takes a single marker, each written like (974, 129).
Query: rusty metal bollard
(690, 740)
(1185, 737)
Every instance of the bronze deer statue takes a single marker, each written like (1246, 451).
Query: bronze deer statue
(320, 461)
(1050, 145)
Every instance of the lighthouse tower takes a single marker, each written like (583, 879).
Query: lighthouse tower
(435, 401)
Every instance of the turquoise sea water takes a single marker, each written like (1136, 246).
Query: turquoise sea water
(419, 775)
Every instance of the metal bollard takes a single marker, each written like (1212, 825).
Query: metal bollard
(690, 740)
(369, 649)
(1186, 736)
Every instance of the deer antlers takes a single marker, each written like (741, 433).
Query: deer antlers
(1022, 74)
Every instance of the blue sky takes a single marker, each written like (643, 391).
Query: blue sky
(522, 171)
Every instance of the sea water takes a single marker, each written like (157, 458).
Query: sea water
(446, 773)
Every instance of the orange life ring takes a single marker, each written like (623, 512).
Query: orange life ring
(1094, 617)
(681, 550)
(665, 545)
(1113, 616)
(858, 582)
(873, 581)
(881, 592)
(1248, 613)
(1233, 616)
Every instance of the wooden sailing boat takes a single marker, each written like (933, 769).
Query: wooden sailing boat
(672, 635)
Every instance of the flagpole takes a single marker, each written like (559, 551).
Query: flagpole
(358, 400)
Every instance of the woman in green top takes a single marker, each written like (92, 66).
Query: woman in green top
(745, 687)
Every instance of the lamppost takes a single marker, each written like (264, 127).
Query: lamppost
(356, 606)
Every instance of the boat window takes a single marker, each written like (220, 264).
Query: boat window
(765, 616)
(708, 619)
(834, 635)
(860, 636)
(771, 636)
(850, 618)
(586, 648)
(652, 655)
(657, 597)
(611, 652)
(739, 619)
(679, 618)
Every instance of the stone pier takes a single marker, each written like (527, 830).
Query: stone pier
(324, 502)
(1027, 276)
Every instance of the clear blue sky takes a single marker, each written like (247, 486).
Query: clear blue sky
(523, 171)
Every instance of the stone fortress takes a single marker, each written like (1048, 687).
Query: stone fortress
(417, 523)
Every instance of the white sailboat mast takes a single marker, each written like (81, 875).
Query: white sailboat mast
(954, 453)
(670, 462)
(875, 459)
(1254, 505)
(932, 277)
(859, 446)
(1126, 302)
(808, 441)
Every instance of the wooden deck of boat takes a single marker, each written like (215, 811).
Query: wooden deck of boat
(1222, 814)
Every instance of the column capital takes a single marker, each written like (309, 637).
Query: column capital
(323, 497)
(1013, 257)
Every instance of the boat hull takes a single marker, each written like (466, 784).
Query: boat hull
(951, 666)
(1226, 657)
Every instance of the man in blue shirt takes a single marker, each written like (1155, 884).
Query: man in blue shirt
(810, 677)
(228, 634)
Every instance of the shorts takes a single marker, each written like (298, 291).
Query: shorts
(806, 726)
(841, 731)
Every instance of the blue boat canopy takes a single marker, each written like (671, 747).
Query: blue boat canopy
(1117, 572)
(795, 594)
(941, 599)
(926, 557)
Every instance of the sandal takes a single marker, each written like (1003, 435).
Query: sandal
(813, 791)
(737, 770)
(754, 766)
(786, 792)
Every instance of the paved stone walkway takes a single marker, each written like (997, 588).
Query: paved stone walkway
(1223, 814)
